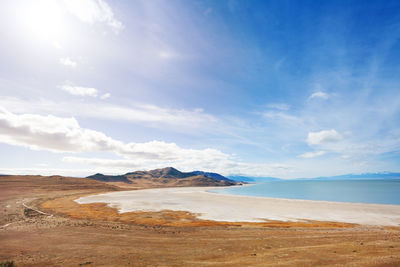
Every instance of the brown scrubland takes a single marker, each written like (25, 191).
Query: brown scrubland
(41, 225)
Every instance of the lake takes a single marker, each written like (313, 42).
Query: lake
(379, 191)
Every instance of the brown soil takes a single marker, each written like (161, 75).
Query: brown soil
(95, 235)
(99, 211)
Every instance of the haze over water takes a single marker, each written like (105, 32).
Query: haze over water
(379, 191)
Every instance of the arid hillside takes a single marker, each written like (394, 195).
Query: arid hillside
(165, 177)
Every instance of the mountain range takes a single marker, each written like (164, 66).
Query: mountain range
(165, 177)
(364, 176)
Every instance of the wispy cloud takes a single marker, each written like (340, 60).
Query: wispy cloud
(166, 55)
(309, 155)
(281, 117)
(94, 11)
(152, 115)
(72, 172)
(224, 165)
(66, 61)
(279, 106)
(105, 96)
(319, 94)
(80, 90)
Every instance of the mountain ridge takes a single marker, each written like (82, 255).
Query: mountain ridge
(351, 176)
(163, 177)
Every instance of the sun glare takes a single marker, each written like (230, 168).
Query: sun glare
(44, 20)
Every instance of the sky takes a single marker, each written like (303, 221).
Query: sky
(285, 89)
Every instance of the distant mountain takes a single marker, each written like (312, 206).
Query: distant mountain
(165, 177)
(109, 178)
(239, 178)
(212, 175)
(378, 175)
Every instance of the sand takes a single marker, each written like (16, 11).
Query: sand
(233, 208)
(100, 236)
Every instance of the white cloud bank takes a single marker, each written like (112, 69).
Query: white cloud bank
(323, 137)
(58, 134)
(80, 90)
(222, 164)
(94, 11)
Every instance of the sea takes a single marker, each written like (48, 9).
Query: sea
(378, 191)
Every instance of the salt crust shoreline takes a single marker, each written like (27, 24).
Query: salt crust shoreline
(237, 208)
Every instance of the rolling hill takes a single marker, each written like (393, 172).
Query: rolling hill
(165, 177)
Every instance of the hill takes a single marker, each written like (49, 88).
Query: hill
(362, 176)
(165, 177)
(239, 178)
(212, 175)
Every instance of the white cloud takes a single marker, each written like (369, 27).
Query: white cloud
(68, 62)
(65, 135)
(281, 116)
(105, 96)
(319, 94)
(165, 54)
(50, 133)
(154, 116)
(59, 135)
(47, 171)
(113, 163)
(92, 11)
(279, 106)
(56, 44)
(323, 137)
(79, 90)
(223, 165)
(309, 155)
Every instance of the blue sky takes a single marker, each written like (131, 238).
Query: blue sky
(258, 88)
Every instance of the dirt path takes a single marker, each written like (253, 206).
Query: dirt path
(38, 211)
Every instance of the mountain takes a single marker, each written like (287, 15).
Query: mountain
(165, 177)
(377, 175)
(109, 178)
(239, 178)
(362, 176)
(212, 175)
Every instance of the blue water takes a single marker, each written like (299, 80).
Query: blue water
(378, 191)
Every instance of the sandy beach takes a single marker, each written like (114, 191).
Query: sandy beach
(234, 208)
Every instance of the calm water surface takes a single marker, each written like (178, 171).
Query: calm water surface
(362, 191)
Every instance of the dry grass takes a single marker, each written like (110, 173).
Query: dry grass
(100, 211)
(95, 235)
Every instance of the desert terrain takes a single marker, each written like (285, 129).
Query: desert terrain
(42, 225)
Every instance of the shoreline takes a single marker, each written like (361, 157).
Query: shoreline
(295, 199)
(238, 208)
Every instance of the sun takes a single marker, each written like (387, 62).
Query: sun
(44, 20)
